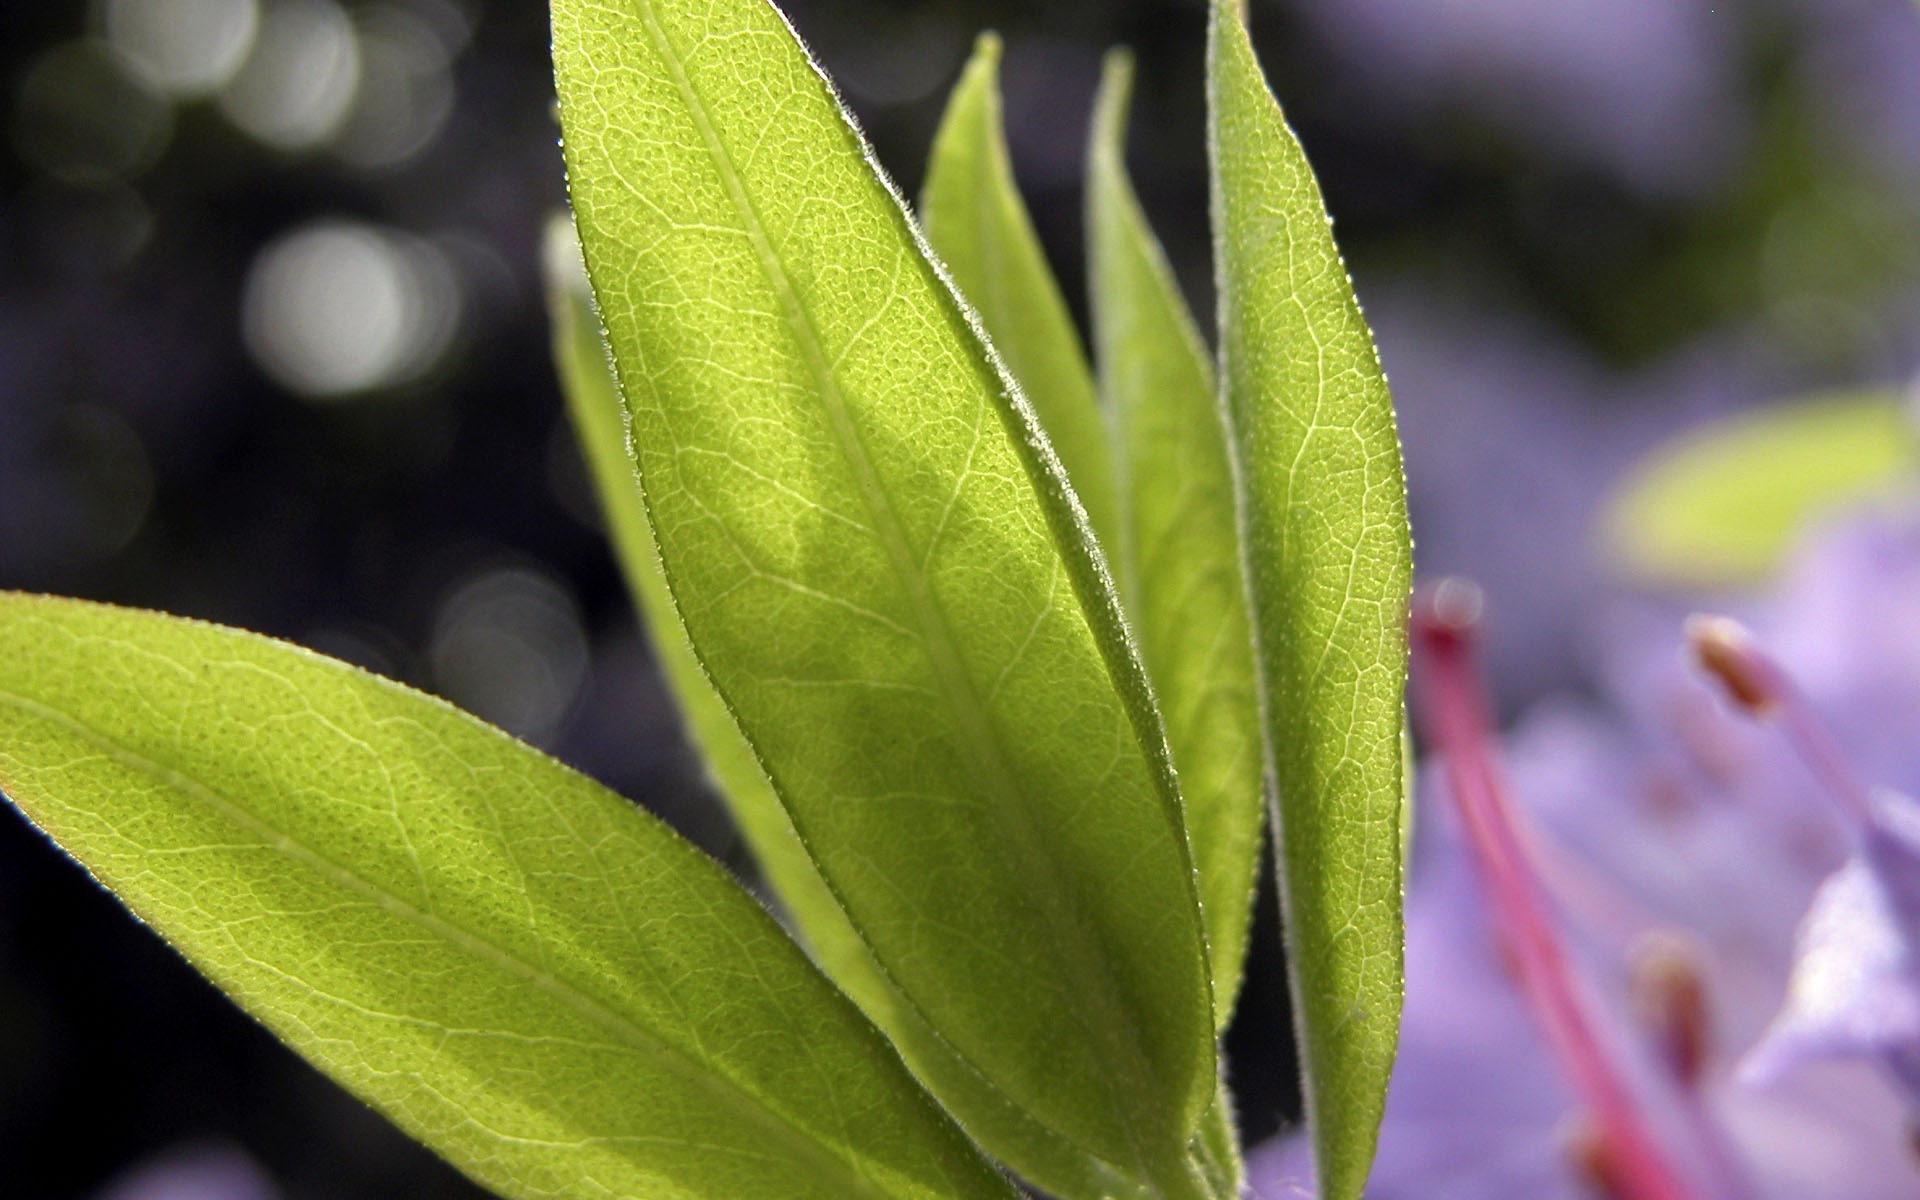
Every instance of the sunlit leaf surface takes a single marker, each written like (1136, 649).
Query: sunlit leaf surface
(871, 548)
(600, 423)
(1323, 510)
(539, 981)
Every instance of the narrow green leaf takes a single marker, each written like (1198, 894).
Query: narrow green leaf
(1178, 554)
(1324, 527)
(875, 557)
(975, 220)
(1723, 504)
(536, 979)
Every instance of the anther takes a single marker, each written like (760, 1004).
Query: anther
(1594, 1162)
(1724, 649)
(1761, 688)
(1668, 995)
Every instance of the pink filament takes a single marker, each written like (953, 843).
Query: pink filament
(1453, 713)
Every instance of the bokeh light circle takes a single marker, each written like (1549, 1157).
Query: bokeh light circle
(341, 308)
(183, 48)
(296, 87)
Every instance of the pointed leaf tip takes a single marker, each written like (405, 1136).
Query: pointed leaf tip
(978, 224)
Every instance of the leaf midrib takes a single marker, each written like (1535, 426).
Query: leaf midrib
(963, 698)
(700, 1074)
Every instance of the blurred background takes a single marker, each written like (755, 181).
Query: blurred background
(273, 353)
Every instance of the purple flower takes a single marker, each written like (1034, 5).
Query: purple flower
(1855, 989)
(1605, 997)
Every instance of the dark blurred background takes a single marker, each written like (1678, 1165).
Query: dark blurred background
(273, 353)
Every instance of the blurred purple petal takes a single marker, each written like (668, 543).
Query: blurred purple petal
(1855, 989)
(198, 1173)
(1644, 88)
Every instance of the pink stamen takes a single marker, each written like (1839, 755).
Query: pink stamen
(1757, 685)
(1452, 709)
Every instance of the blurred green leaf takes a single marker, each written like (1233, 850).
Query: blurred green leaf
(1178, 553)
(977, 224)
(536, 979)
(1323, 515)
(875, 558)
(1723, 504)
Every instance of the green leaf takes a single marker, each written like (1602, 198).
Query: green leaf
(1216, 1147)
(521, 969)
(877, 561)
(1323, 512)
(974, 218)
(600, 422)
(1723, 505)
(1178, 554)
